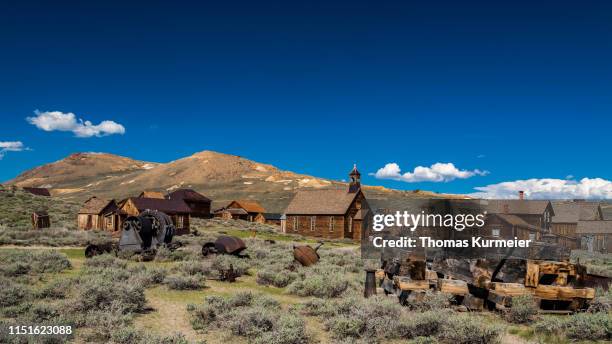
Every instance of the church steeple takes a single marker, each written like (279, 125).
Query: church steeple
(355, 180)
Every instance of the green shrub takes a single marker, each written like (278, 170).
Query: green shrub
(467, 329)
(524, 310)
(105, 261)
(289, 329)
(589, 326)
(12, 294)
(180, 282)
(424, 324)
(431, 301)
(100, 294)
(129, 335)
(249, 321)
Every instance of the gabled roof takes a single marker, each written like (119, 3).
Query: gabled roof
(594, 227)
(37, 191)
(517, 206)
(151, 194)
(517, 221)
(168, 206)
(233, 211)
(320, 202)
(94, 206)
(250, 206)
(188, 195)
(572, 212)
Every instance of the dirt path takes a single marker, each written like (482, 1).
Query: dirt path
(167, 317)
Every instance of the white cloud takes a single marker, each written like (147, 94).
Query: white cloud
(438, 172)
(57, 120)
(11, 146)
(548, 188)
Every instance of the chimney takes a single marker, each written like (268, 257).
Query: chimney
(521, 195)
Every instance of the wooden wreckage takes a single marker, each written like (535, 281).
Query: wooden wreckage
(558, 286)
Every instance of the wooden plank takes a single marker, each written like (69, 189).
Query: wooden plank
(561, 278)
(585, 293)
(508, 289)
(532, 277)
(455, 287)
(380, 274)
(405, 283)
(431, 275)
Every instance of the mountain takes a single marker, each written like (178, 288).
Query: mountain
(221, 177)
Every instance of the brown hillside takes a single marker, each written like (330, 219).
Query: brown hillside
(221, 177)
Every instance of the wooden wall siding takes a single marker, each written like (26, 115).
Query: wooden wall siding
(260, 218)
(89, 221)
(199, 209)
(321, 227)
(566, 229)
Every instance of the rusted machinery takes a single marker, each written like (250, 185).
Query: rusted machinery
(557, 286)
(306, 255)
(225, 245)
(140, 234)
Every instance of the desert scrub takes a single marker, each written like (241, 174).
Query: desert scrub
(253, 316)
(580, 326)
(469, 329)
(321, 281)
(222, 262)
(98, 293)
(524, 310)
(277, 275)
(21, 262)
(54, 236)
(105, 261)
(430, 301)
(12, 293)
(129, 335)
(181, 282)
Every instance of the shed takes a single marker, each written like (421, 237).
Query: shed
(98, 213)
(40, 219)
(38, 191)
(253, 208)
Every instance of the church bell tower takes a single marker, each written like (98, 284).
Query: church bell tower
(355, 180)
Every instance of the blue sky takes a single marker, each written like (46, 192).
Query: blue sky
(518, 89)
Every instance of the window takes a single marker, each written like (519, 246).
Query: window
(331, 224)
(295, 224)
(350, 225)
(313, 220)
(495, 232)
(179, 221)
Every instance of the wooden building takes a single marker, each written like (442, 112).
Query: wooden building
(237, 210)
(98, 213)
(333, 214)
(566, 218)
(538, 213)
(596, 236)
(273, 218)
(38, 191)
(40, 219)
(151, 194)
(176, 209)
(198, 203)
(508, 226)
(231, 214)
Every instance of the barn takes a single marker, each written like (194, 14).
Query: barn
(98, 213)
(176, 209)
(248, 210)
(198, 203)
(332, 214)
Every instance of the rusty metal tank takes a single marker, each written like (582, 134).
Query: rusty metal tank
(225, 244)
(306, 255)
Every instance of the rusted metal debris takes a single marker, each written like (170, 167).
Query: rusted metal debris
(306, 255)
(225, 244)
